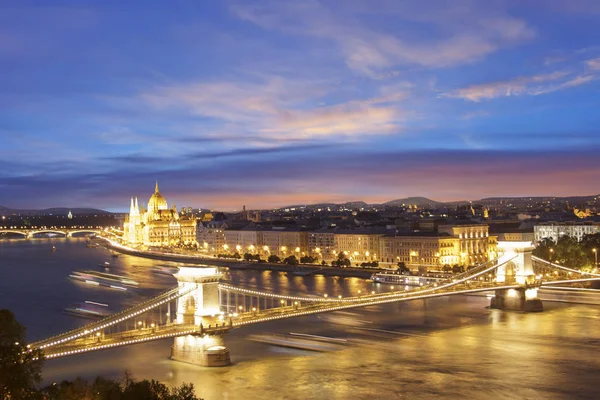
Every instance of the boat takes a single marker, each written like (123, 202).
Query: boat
(53, 248)
(164, 269)
(89, 309)
(115, 255)
(104, 279)
(300, 341)
(92, 245)
(408, 280)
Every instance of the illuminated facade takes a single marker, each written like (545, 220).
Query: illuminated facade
(158, 225)
(555, 230)
(473, 242)
(434, 250)
(453, 244)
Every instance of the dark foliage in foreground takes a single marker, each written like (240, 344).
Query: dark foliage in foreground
(21, 367)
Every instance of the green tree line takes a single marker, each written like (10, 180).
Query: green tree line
(570, 252)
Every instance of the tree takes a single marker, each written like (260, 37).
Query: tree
(570, 253)
(544, 249)
(248, 257)
(127, 389)
(273, 258)
(446, 268)
(20, 367)
(402, 268)
(291, 260)
(589, 243)
(307, 259)
(457, 269)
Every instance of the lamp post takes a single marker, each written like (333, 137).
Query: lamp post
(551, 254)
(595, 257)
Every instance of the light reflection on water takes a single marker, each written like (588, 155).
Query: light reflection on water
(446, 348)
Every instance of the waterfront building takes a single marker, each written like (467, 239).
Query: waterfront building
(358, 246)
(321, 245)
(452, 244)
(554, 230)
(282, 242)
(158, 225)
(240, 241)
(433, 249)
(211, 236)
(473, 242)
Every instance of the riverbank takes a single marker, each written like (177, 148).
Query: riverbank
(240, 265)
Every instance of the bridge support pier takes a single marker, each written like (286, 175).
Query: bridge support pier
(520, 299)
(206, 350)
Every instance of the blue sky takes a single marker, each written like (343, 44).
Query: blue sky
(271, 103)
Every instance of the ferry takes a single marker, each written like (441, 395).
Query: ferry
(103, 279)
(301, 341)
(89, 309)
(408, 280)
(166, 270)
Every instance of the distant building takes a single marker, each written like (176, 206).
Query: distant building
(473, 242)
(159, 225)
(554, 230)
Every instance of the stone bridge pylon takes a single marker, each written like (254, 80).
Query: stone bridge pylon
(199, 302)
(519, 270)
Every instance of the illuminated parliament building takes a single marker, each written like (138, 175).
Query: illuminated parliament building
(158, 225)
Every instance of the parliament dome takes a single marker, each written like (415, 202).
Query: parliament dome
(157, 201)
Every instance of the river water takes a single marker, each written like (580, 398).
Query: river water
(444, 348)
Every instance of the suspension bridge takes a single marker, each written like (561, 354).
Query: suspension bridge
(201, 310)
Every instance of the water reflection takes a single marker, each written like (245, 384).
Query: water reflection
(448, 348)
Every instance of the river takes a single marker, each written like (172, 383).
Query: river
(444, 348)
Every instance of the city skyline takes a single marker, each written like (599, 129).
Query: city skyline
(268, 105)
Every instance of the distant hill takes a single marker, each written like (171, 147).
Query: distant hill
(419, 201)
(54, 211)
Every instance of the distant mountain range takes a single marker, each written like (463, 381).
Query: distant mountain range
(425, 202)
(54, 211)
(418, 201)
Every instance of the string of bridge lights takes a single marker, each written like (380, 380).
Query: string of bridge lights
(125, 343)
(370, 302)
(558, 266)
(129, 313)
(348, 302)
(83, 331)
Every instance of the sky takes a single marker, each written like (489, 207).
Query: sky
(272, 103)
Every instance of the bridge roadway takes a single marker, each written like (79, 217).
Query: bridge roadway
(92, 337)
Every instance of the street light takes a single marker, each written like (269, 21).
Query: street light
(595, 257)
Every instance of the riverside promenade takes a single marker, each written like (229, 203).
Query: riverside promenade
(303, 269)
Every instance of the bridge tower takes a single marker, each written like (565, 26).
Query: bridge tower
(519, 270)
(198, 305)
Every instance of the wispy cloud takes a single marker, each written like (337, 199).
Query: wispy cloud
(282, 109)
(525, 85)
(465, 31)
(593, 64)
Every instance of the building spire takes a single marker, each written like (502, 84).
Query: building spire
(156, 188)
(131, 207)
(137, 208)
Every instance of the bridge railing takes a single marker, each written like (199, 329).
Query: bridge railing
(113, 319)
